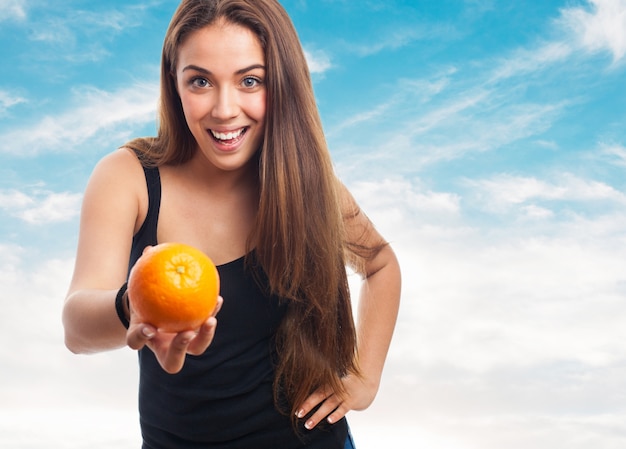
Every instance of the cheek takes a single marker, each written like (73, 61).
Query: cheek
(192, 108)
(258, 107)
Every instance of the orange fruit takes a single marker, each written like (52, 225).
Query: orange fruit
(173, 287)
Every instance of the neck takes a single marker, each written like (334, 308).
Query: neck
(201, 171)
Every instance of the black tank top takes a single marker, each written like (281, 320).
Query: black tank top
(223, 398)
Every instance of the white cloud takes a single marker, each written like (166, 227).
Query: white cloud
(364, 117)
(615, 153)
(318, 61)
(427, 89)
(96, 428)
(503, 327)
(74, 35)
(398, 37)
(600, 27)
(465, 111)
(417, 90)
(451, 120)
(64, 29)
(41, 207)
(501, 192)
(12, 9)
(525, 61)
(500, 330)
(8, 100)
(405, 199)
(96, 112)
(472, 121)
(393, 40)
(54, 207)
(13, 199)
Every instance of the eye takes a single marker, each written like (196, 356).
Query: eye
(199, 82)
(251, 82)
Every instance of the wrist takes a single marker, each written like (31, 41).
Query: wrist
(122, 306)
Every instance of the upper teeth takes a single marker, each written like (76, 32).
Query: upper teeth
(227, 136)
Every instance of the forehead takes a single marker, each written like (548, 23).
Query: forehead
(222, 43)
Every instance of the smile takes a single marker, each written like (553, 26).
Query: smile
(229, 137)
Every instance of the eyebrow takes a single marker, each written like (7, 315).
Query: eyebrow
(238, 72)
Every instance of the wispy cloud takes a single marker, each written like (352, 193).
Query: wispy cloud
(403, 196)
(456, 119)
(615, 153)
(40, 206)
(414, 91)
(502, 192)
(78, 35)
(96, 111)
(476, 110)
(318, 61)
(389, 39)
(599, 27)
(472, 122)
(8, 100)
(66, 28)
(526, 61)
(12, 9)
(363, 117)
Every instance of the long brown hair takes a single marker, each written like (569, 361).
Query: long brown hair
(299, 236)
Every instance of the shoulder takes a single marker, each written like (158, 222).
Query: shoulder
(118, 171)
(117, 183)
(123, 161)
(349, 207)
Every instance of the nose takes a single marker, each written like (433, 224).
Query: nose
(226, 105)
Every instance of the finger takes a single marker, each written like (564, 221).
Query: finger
(312, 401)
(338, 414)
(218, 306)
(139, 335)
(203, 339)
(146, 249)
(327, 407)
(174, 358)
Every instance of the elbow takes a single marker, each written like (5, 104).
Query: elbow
(70, 340)
(71, 346)
(71, 337)
(74, 343)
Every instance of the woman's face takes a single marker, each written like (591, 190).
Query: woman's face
(220, 78)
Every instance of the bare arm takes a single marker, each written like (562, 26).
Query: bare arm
(377, 313)
(109, 216)
(114, 208)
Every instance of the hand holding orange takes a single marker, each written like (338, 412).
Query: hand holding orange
(173, 287)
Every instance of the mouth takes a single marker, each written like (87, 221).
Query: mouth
(230, 137)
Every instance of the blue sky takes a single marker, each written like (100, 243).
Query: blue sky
(485, 139)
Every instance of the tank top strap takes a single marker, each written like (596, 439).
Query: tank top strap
(147, 234)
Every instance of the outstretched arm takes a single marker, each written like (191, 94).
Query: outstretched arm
(114, 207)
(110, 212)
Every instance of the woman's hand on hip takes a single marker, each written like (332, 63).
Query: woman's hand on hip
(359, 394)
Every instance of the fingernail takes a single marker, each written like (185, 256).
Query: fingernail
(147, 332)
(300, 413)
(309, 425)
(330, 420)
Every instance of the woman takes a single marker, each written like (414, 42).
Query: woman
(240, 170)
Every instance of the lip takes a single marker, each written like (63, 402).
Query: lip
(228, 145)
